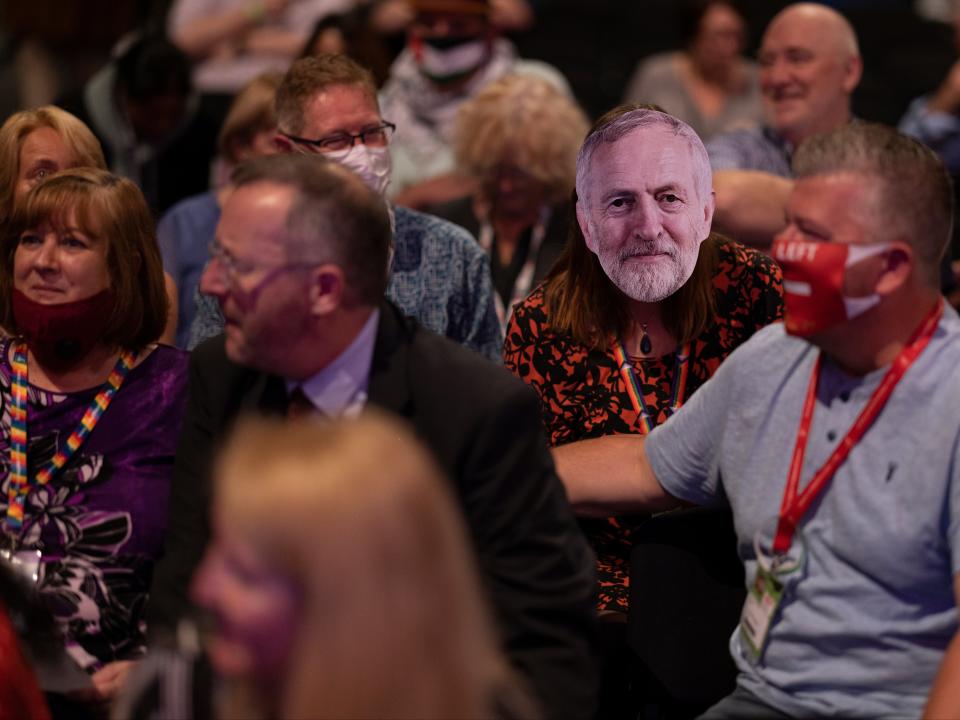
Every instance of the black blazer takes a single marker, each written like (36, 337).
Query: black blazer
(484, 429)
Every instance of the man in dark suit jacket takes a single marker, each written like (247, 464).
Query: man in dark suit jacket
(299, 268)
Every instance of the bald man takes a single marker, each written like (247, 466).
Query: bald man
(809, 66)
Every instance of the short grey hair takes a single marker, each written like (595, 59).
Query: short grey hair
(623, 120)
(334, 217)
(914, 198)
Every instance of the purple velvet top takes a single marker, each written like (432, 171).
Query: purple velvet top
(101, 520)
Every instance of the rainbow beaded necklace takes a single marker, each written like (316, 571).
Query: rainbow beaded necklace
(19, 482)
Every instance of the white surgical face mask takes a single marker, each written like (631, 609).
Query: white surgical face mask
(373, 165)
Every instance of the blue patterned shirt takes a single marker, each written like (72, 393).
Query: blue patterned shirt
(751, 149)
(440, 276)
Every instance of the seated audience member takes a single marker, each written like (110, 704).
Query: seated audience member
(233, 41)
(341, 582)
(327, 106)
(934, 119)
(453, 50)
(642, 306)
(84, 501)
(809, 67)
(851, 582)
(518, 138)
(709, 84)
(142, 108)
(187, 229)
(34, 144)
(298, 269)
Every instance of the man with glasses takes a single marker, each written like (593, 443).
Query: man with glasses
(299, 271)
(327, 106)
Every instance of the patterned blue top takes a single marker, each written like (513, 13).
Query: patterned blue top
(940, 131)
(440, 276)
(751, 149)
(184, 234)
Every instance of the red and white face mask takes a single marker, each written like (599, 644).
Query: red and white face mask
(813, 279)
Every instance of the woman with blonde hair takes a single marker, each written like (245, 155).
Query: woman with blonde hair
(341, 579)
(518, 139)
(34, 144)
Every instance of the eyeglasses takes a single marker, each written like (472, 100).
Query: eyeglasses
(231, 268)
(378, 136)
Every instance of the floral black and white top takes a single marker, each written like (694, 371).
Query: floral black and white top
(100, 522)
(582, 394)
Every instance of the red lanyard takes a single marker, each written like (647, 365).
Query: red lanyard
(794, 506)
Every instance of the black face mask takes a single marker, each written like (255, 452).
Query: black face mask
(445, 43)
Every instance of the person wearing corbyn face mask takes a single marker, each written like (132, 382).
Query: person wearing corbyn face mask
(453, 51)
(834, 438)
(92, 410)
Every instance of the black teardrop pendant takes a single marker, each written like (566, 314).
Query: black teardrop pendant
(646, 347)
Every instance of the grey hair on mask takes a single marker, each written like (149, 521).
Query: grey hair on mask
(620, 122)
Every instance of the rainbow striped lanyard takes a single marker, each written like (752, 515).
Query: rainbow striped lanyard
(644, 417)
(19, 482)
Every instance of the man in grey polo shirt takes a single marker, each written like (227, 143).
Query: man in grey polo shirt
(855, 403)
(809, 67)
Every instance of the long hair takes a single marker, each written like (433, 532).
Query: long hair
(581, 299)
(356, 516)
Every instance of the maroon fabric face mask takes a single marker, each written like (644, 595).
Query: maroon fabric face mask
(59, 335)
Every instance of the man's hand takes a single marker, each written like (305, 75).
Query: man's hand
(751, 205)
(107, 683)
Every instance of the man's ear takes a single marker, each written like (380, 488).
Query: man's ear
(282, 143)
(852, 72)
(898, 266)
(327, 289)
(708, 209)
(584, 221)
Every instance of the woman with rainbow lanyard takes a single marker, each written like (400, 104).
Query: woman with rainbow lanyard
(90, 411)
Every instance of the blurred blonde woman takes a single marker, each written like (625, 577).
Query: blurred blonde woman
(341, 582)
(518, 139)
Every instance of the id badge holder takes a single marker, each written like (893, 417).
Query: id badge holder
(764, 597)
(25, 563)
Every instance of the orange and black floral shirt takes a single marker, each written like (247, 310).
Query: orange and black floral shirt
(582, 394)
